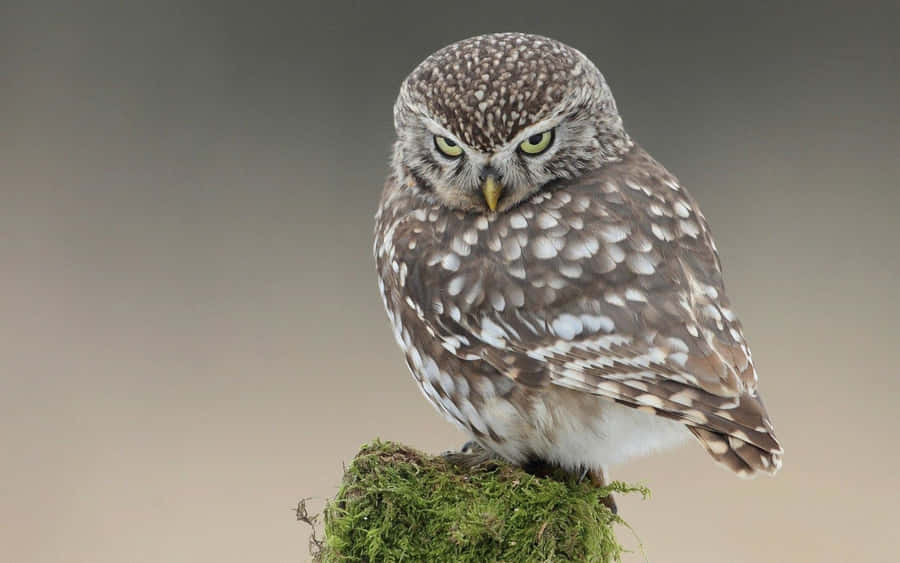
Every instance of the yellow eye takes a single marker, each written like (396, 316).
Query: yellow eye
(537, 143)
(448, 147)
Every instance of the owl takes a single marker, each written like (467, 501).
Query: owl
(556, 292)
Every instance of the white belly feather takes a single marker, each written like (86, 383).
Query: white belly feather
(577, 430)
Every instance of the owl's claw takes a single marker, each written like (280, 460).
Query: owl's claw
(610, 502)
(598, 478)
(469, 447)
(584, 473)
(469, 455)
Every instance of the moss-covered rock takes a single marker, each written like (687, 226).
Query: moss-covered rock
(398, 504)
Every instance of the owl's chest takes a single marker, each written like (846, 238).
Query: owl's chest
(546, 251)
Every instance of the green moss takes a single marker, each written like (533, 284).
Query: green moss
(398, 504)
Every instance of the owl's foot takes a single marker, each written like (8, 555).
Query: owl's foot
(471, 454)
(470, 447)
(598, 479)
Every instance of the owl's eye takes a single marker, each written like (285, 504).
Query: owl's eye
(447, 146)
(537, 143)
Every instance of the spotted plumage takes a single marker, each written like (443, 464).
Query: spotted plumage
(581, 320)
(488, 88)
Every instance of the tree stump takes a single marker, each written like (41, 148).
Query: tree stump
(396, 503)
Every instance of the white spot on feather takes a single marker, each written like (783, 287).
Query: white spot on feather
(613, 233)
(571, 270)
(615, 253)
(517, 221)
(679, 358)
(497, 300)
(492, 333)
(516, 296)
(546, 221)
(650, 400)
(681, 209)
(686, 397)
(689, 228)
(473, 417)
(632, 294)
(639, 264)
(662, 233)
(711, 312)
(580, 249)
(431, 370)
(717, 447)
(446, 382)
(450, 262)
(695, 415)
(595, 323)
(459, 246)
(543, 248)
(567, 326)
(456, 284)
(673, 185)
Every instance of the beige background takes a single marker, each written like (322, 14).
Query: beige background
(190, 333)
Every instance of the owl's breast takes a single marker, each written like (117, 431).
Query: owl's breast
(553, 249)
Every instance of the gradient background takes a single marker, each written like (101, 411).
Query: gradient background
(190, 333)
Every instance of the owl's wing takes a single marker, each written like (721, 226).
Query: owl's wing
(696, 382)
(663, 378)
(636, 355)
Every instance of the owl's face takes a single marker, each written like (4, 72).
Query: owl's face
(488, 122)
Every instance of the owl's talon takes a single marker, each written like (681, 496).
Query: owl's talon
(471, 454)
(598, 479)
(610, 503)
(469, 447)
(584, 473)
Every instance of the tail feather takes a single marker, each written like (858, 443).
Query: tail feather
(744, 458)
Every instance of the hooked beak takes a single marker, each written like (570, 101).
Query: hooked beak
(492, 191)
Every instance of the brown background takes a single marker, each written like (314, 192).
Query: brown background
(190, 333)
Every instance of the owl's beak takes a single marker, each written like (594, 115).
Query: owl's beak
(492, 191)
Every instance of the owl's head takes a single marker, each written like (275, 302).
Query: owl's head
(487, 122)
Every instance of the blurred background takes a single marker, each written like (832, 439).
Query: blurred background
(191, 338)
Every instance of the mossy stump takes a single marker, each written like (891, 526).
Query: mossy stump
(396, 503)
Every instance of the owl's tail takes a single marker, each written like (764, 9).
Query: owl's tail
(746, 459)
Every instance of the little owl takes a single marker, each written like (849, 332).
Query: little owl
(556, 292)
